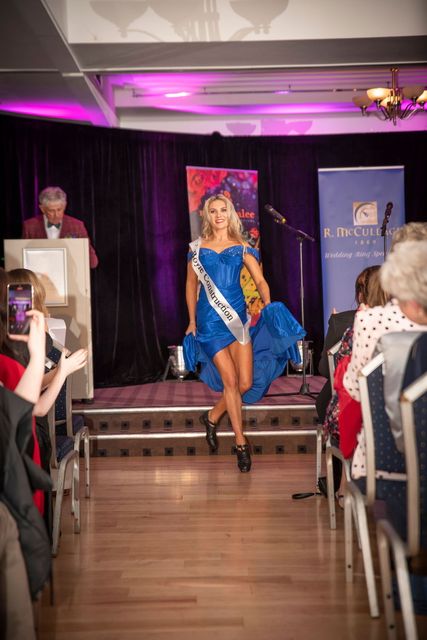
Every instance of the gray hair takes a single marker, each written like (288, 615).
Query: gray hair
(52, 194)
(410, 231)
(404, 273)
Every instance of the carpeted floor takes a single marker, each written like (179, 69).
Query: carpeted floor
(174, 393)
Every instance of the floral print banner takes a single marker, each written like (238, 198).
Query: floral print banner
(241, 187)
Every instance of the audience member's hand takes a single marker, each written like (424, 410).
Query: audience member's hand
(74, 362)
(36, 338)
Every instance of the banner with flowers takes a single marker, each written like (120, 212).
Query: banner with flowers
(242, 188)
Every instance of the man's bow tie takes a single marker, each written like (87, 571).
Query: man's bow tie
(52, 224)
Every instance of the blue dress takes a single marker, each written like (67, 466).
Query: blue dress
(273, 338)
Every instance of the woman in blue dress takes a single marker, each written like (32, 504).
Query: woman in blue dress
(238, 360)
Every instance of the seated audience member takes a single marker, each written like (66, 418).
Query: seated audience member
(25, 276)
(405, 360)
(16, 612)
(341, 405)
(25, 555)
(337, 325)
(55, 223)
(410, 231)
(404, 277)
(12, 371)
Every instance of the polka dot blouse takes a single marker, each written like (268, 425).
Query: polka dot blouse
(369, 325)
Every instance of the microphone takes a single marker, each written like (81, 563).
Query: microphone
(387, 215)
(282, 220)
(276, 215)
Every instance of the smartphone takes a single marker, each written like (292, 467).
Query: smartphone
(19, 301)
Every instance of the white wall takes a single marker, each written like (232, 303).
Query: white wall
(290, 125)
(90, 21)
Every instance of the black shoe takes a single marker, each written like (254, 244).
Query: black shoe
(211, 437)
(243, 453)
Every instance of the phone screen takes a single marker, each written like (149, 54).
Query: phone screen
(19, 301)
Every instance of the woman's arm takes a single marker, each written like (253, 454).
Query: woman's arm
(191, 298)
(48, 377)
(66, 366)
(255, 270)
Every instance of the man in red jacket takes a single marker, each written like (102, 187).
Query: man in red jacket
(54, 223)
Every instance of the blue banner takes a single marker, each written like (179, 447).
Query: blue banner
(352, 203)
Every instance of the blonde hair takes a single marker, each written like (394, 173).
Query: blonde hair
(404, 273)
(235, 228)
(25, 276)
(410, 231)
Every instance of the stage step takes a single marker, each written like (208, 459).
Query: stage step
(176, 431)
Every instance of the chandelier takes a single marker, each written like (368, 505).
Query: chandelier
(393, 103)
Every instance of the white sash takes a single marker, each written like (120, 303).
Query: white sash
(217, 301)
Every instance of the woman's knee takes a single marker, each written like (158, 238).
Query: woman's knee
(230, 381)
(245, 384)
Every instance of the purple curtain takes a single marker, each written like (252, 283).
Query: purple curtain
(129, 188)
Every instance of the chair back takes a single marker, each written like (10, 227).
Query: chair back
(55, 354)
(414, 421)
(69, 406)
(383, 460)
(332, 361)
(52, 436)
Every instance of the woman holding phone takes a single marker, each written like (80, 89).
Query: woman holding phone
(12, 370)
(238, 360)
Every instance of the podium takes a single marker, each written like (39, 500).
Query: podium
(63, 267)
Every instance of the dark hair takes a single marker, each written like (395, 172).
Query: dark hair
(377, 297)
(361, 285)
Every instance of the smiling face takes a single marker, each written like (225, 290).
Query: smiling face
(54, 210)
(218, 215)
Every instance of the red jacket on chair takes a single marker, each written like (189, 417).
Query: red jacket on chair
(70, 228)
(11, 373)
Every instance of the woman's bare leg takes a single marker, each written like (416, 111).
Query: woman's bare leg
(242, 358)
(218, 410)
(231, 362)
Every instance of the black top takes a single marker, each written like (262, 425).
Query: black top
(337, 325)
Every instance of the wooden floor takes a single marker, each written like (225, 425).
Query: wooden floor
(190, 548)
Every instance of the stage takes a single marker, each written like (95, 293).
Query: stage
(192, 394)
(162, 419)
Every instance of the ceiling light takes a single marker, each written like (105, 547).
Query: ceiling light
(178, 94)
(390, 101)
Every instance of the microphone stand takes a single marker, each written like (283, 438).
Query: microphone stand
(301, 237)
(387, 215)
(304, 389)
